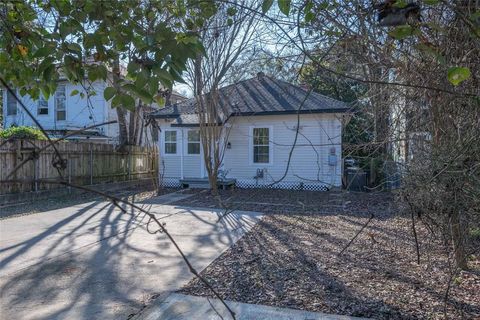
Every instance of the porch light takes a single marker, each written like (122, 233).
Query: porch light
(229, 145)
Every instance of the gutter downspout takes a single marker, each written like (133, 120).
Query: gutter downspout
(160, 157)
(181, 156)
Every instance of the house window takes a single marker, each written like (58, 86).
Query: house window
(261, 145)
(170, 142)
(193, 146)
(42, 106)
(60, 104)
(11, 104)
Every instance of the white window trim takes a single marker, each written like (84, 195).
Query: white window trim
(55, 109)
(48, 107)
(186, 144)
(270, 146)
(179, 138)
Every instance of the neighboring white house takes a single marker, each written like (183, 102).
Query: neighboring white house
(409, 128)
(63, 113)
(261, 116)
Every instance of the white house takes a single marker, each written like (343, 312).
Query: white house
(261, 116)
(63, 113)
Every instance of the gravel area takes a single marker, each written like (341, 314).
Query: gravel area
(26, 208)
(291, 258)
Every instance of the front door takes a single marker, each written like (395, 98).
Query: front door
(193, 156)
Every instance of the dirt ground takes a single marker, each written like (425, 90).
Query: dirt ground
(291, 258)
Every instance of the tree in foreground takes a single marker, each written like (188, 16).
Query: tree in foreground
(226, 37)
(420, 64)
(82, 41)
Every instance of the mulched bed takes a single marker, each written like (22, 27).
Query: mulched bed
(290, 258)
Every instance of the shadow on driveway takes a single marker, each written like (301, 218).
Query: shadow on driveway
(91, 261)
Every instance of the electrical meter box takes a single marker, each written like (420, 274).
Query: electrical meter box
(332, 160)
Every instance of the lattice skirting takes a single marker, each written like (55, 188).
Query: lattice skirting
(171, 183)
(251, 184)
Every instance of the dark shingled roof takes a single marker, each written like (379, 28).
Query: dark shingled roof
(261, 95)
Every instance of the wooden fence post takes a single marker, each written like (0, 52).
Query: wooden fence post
(69, 166)
(18, 187)
(35, 174)
(111, 165)
(91, 163)
(129, 164)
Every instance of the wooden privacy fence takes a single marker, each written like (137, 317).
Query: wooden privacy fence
(87, 164)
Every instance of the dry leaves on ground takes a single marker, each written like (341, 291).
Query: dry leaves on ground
(290, 259)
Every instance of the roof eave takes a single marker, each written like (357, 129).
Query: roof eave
(185, 125)
(289, 112)
(273, 112)
(165, 116)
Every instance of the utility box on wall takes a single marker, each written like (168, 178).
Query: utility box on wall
(332, 157)
(332, 160)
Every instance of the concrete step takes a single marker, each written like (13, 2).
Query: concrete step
(197, 185)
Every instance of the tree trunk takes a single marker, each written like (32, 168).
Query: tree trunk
(121, 118)
(132, 127)
(207, 134)
(213, 180)
(122, 127)
(458, 241)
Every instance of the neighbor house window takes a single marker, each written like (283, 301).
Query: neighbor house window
(60, 104)
(261, 145)
(11, 104)
(170, 142)
(42, 106)
(193, 146)
(154, 131)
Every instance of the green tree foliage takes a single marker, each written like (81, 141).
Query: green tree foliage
(359, 131)
(44, 41)
(22, 133)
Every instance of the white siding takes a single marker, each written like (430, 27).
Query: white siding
(318, 134)
(79, 113)
(171, 165)
(309, 162)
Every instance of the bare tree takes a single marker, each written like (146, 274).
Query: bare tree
(225, 38)
(424, 70)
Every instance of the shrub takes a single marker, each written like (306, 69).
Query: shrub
(22, 133)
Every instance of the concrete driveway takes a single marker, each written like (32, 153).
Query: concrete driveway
(90, 261)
